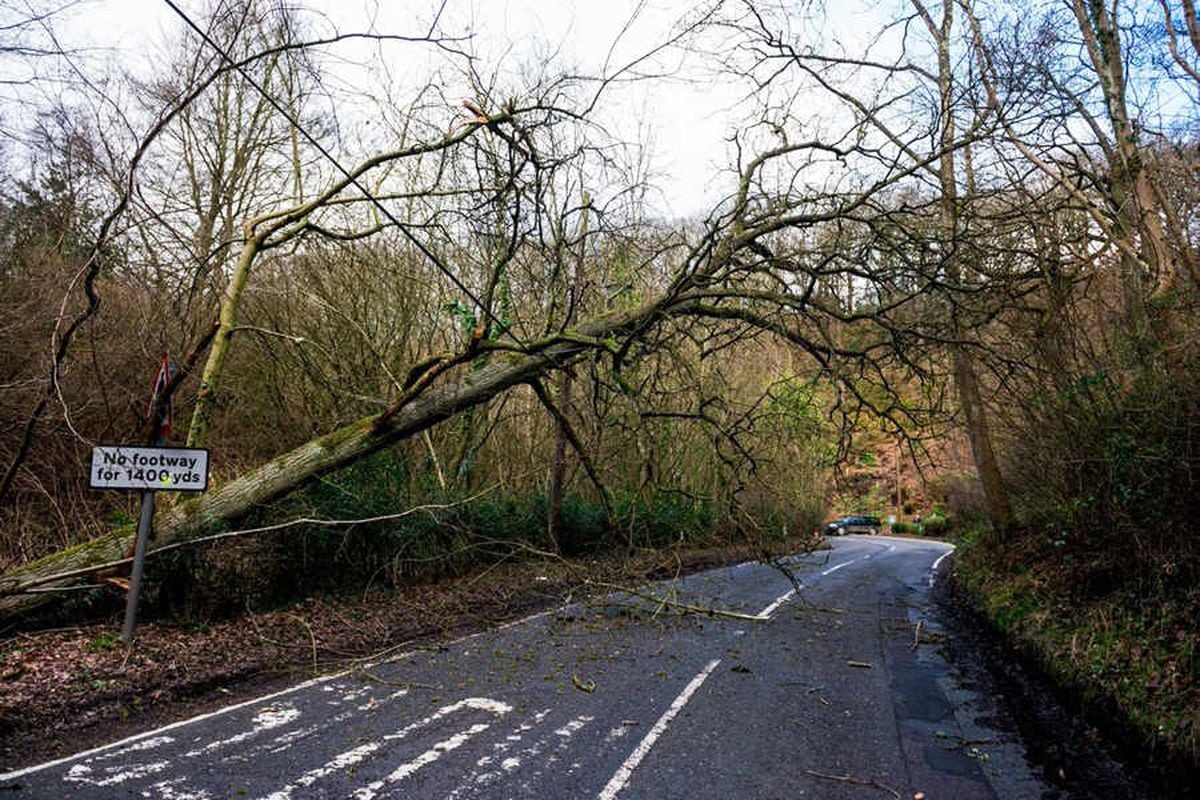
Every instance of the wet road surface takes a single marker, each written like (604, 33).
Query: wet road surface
(828, 682)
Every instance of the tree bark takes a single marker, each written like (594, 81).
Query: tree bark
(558, 464)
(969, 397)
(558, 468)
(210, 379)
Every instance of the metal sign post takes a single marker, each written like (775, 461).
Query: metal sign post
(150, 469)
(139, 560)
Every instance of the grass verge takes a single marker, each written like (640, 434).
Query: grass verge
(1126, 652)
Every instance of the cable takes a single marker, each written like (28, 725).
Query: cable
(346, 173)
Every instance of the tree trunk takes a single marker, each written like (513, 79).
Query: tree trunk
(1145, 257)
(979, 435)
(558, 466)
(969, 397)
(558, 469)
(211, 377)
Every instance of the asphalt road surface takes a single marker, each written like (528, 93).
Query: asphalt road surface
(826, 684)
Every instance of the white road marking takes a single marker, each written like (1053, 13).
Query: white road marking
(115, 775)
(285, 740)
(573, 727)
(625, 771)
(267, 719)
(506, 765)
(110, 776)
(766, 613)
(936, 564)
(564, 733)
(512, 623)
(354, 756)
(85, 767)
(770, 610)
(369, 792)
(174, 790)
(836, 567)
(616, 733)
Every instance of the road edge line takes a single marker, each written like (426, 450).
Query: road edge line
(938, 563)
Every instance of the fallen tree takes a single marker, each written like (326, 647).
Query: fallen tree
(291, 470)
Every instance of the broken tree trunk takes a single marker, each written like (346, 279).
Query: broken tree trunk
(332, 451)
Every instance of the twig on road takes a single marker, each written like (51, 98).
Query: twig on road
(706, 611)
(856, 781)
(395, 684)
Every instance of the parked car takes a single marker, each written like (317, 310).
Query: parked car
(853, 524)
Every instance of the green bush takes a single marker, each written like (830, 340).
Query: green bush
(935, 524)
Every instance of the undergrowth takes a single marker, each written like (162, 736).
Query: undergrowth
(1129, 656)
(441, 535)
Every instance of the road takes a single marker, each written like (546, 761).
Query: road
(828, 683)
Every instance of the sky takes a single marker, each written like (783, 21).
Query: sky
(685, 120)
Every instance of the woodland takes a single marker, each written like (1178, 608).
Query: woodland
(437, 319)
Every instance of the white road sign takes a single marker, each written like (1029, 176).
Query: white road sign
(170, 469)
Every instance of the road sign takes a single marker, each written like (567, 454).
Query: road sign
(166, 369)
(154, 469)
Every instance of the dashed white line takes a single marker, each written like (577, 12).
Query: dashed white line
(176, 790)
(267, 719)
(371, 790)
(625, 771)
(357, 754)
(82, 774)
(836, 567)
(506, 765)
(573, 727)
(766, 613)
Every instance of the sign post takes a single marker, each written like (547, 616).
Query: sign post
(139, 560)
(151, 470)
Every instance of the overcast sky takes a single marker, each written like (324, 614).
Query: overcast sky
(685, 120)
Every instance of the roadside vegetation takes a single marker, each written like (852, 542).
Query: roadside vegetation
(1126, 654)
(1100, 581)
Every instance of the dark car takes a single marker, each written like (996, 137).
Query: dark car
(853, 524)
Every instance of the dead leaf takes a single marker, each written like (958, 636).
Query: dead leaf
(583, 686)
